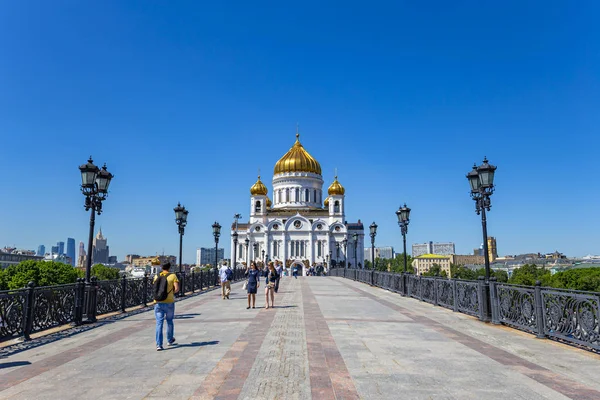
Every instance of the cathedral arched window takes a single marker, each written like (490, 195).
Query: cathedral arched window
(319, 249)
(336, 206)
(306, 195)
(297, 199)
(257, 206)
(287, 195)
(297, 248)
(315, 196)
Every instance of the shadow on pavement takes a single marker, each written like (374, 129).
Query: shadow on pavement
(186, 316)
(194, 344)
(14, 364)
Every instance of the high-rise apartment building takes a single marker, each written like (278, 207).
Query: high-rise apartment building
(41, 250)
(207, 255)
(386, 252)
(100, 251)
(433, 248)
(71, 250)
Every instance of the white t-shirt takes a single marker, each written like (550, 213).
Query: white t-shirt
(223, 273)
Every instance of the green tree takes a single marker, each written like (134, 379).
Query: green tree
(501, 275)
(397, 264)
(528, 274)
(435, 270)
(43, 273)
(104, 273)
(577, 278)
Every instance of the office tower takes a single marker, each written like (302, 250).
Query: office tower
(100, 252)
(207, 255)
(61, 248)
(54, 250)
(71, 250)
(41, 250)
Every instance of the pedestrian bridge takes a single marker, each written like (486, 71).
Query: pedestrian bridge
(326, 338)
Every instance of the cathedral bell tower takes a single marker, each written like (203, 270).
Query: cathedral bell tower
(259, 202)
(335, 201)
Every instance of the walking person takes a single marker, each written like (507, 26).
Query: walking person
(166, 285)
(226, 276)
(253, 276)
(295, 271)
(279, 270)
(271, 278)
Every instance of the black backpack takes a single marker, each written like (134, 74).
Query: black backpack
(161, 288)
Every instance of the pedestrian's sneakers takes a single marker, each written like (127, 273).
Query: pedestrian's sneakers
(173, 342)
(159, 348)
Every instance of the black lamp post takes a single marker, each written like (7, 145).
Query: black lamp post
(94, 186)
(235, 239)
(403, 215)
(181, 220)
(355, 239)
(345, 243)
(247, 243)
(373, 229)
(263, 257)
(481, 180)
(337, 253)
(216, 233)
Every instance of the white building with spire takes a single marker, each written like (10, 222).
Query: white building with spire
(300, 226)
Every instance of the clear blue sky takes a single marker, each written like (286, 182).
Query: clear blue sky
(186, 100)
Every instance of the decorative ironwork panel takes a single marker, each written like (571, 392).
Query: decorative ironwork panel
(109, 296)
(516, 305)
(188, 283)
(572, 316)
(387, 281)
(134, 295)
(445, 293)
(428, 289)
(414, 286)
(12, 310)
(53, 306)
(397, 283)
(468, 300)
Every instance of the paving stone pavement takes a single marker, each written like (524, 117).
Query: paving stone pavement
(327, 338)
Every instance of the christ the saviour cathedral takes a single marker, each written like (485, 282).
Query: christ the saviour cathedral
(299, 226)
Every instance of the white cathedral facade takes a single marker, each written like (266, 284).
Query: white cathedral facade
(300, 226)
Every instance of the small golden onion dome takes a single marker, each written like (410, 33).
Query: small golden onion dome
(268, 202)
(297, 160)
(155, 261)
(326, 202)
(259, 188)
(336, 188)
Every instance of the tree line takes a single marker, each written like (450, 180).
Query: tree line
(48, 273)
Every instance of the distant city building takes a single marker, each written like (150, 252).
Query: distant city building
(458, 259)
(492, 250)
(380, 252)
(71, 250)
(54, 250)
(15, 257)
(198, 257)
(100, 251)
(61, 247)
(433, 248)
(130, 257)
(62, 258)
(147, 261)
(424, 262)
(41, 250)
(112, 259)
(207, 255)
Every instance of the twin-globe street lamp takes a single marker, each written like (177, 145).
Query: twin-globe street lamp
(94, 186)
(355, 239)
(235, 239)
(481, 180)
(373, 229)
(181, 220)
(216, 233)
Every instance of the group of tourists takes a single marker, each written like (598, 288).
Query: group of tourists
(272, 274)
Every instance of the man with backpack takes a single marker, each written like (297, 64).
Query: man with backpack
(226, 275)
(165, 286)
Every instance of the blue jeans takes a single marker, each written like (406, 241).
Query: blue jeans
(164, 311)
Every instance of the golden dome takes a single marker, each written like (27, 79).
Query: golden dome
(326, 202)
(297, 160)
(155, 261)
(258, 189)
(336, 188)
(268, 202)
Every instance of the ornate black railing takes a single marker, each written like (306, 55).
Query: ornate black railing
(567, 315)
(34, 309)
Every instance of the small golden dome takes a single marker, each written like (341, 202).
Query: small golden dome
(155, 261)
(268, 202)
(297, 160)
(326, 202)
(259, 188)
(336, 188)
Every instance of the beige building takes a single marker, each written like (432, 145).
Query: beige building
(492, 250)
(424, 262)
(147, 261)
(458, 259)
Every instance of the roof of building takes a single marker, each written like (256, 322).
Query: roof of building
(297, 160)
(432, 256)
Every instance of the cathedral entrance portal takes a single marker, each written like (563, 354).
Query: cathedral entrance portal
(299, 265)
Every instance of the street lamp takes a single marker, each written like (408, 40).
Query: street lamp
(355, 239)
(481, 180)
(373, 229)
(216, 233)
(263, 257)
(235, 239)
(94, 186)
(181, 220)
(403, 215)
(337, 253)
(247, 243)
(345, 243)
